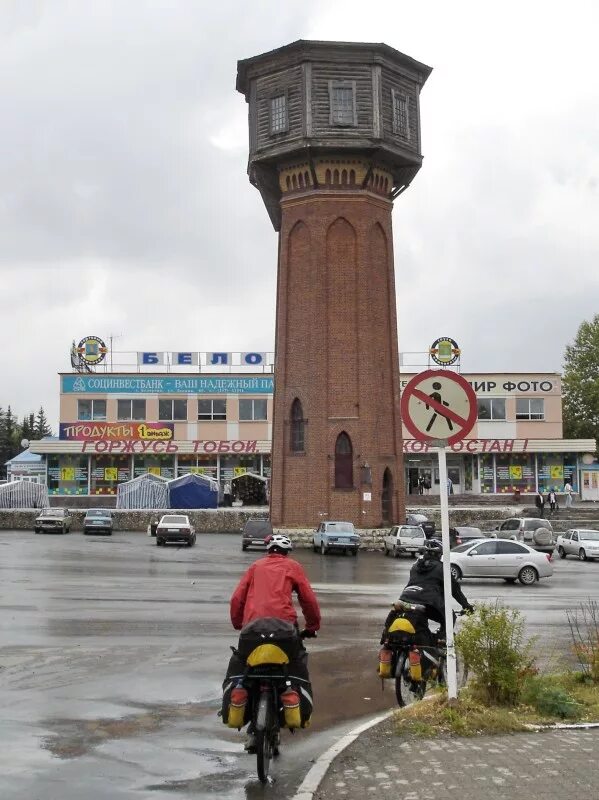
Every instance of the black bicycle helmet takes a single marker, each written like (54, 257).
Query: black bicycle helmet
(432, 548)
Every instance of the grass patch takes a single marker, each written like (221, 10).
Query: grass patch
(546, 700)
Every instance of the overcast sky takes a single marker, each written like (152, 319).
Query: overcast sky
(125, 207)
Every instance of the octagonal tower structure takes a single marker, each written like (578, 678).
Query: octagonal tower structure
(334, 131)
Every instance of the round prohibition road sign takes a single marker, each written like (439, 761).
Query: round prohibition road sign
(439, 405)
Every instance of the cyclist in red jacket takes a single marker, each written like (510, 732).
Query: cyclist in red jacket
(266, 591)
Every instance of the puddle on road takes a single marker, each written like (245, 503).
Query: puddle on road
(72, 738)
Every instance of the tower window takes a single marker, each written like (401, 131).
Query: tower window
(297, 428)
(344, 468)
(278, 114)
(401, 114)
(342, 100)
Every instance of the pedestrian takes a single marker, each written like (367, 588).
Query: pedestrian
(227, 494)
(552, 500)
(568, 490)
(540, 504)
(421, 484)
(427, 485)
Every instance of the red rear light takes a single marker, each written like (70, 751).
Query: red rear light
(549, 556)
(458, 540)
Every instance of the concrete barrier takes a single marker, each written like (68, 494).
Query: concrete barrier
(232, 520)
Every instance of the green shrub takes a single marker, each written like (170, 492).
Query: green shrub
(493, 646)
(552, 701)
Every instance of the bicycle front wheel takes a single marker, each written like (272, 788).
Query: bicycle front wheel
(264, 737)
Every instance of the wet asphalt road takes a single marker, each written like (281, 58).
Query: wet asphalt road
(112, 653)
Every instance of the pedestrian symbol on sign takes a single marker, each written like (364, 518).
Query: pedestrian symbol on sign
(436, 395)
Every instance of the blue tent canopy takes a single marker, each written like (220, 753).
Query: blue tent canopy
(193, 491)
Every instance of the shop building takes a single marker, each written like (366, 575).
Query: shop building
(116, 426)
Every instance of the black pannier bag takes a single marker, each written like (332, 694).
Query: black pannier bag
(269, 630)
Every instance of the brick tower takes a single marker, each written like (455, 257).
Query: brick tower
(334, 138)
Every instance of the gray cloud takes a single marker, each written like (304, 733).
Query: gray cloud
(125, 206)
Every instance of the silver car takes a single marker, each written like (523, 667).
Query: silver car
(579, 542)
(500, 558)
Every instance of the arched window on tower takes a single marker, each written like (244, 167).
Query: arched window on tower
(344, 467)
(297, 428)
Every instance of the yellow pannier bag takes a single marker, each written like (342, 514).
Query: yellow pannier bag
(267, 654)
(401, 624)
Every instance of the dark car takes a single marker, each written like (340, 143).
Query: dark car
(255, 532)
(98, 520)
(468, 534)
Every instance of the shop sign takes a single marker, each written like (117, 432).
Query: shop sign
(472, 446)
(444, 351)
(144, 431)
(192, 359)
(127, 384)
(501, 384)
(91, 350)
(136, 446)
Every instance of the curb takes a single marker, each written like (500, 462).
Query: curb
(564, 726)
(318, 770)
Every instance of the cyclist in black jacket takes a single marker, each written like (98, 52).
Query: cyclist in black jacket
(425, 585)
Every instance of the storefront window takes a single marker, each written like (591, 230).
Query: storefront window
(235, 466)
(556, 469)
(108, 471)
(155, 464)
(491, 407)
(252, 409)
(131, 409)
(172, 410)
(487, 473)
(515, 471)
(200, 464)
(67, 474)
(88, 410)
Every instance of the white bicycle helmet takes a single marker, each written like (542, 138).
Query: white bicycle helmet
(280, 541)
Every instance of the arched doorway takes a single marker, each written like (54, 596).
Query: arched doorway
(387, 497)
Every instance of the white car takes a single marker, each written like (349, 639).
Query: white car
(579, 542)
(500, 558)
(404, 540)
(175, 528)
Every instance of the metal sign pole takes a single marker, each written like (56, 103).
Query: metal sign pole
(452, 682)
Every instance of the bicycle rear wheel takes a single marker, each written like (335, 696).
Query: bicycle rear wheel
(264, 737)
(406, 690)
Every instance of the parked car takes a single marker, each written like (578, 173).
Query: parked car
(98, 520)
(175, 528)
(579, 542)
(404, 540)
(467, 534)
(336, 536)
(255, 532)
(54, 520)
(535, 532)
(427, 525)
(500, 558)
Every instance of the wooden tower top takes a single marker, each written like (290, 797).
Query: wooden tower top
(311, 100)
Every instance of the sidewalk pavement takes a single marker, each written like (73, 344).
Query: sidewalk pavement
(552, 765)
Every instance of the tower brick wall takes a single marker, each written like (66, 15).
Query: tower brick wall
(337, 351)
